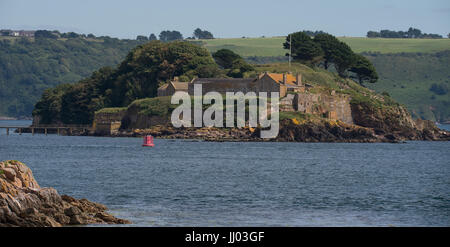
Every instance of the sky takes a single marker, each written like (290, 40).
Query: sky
(226, 18)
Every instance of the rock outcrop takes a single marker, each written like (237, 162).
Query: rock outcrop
(24, 203)
(396, 123)
(306, 131)
(325, 131)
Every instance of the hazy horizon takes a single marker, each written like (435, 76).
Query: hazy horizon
(233, 19)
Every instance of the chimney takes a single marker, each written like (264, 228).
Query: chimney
(299, 79)
(284, 78)
(175, 78)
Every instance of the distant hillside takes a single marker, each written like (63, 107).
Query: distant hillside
(29, 66)
(408, 78)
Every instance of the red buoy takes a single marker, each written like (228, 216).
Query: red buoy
(148, 141)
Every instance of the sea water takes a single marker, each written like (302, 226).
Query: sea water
(195, 183)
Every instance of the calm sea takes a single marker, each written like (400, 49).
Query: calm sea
(190, 183)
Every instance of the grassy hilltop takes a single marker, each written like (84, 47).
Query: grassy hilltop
(407, 68)
(273, 46)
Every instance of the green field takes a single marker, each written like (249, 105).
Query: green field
(267, 47)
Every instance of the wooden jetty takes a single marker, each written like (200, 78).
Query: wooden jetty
(58, 129)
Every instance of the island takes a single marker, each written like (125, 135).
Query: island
(316, 104)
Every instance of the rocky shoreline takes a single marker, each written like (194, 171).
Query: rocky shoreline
(370, 125)
(23, 203)
(370, 122)
(290, 131)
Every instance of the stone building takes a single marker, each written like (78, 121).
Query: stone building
(294, 93)
(170, 88)
(282, 83)
(336, 107)
(108, 123)
(224, 85)
(295, 96)
(17, 33)
(266, 82)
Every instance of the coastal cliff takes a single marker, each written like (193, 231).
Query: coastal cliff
(396, 123)
(24, 203)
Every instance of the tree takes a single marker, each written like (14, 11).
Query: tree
(75, 105)
(303, 48)
(439, 89)
(313, 33)
(342, 57)
(72, 35)
(152, 37)
(141, 38)
(431, 36)
(373, 34)
(138, 76)
(166, 36)
(225, 58)
(322, 49)
(202, 34)
(208, 71)
(329, 45)
(334, 51)
(238, 68)
(389, 34)
(49, 106)
(45, 34)
(207, 35)
(363, 69)
(414, 33)
(198, 33)
(232, 62)
(146, 66)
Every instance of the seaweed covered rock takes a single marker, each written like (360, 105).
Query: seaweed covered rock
(322, 131)
(24, 203)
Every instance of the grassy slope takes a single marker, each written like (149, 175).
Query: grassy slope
(273, 46)
(408, 77)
